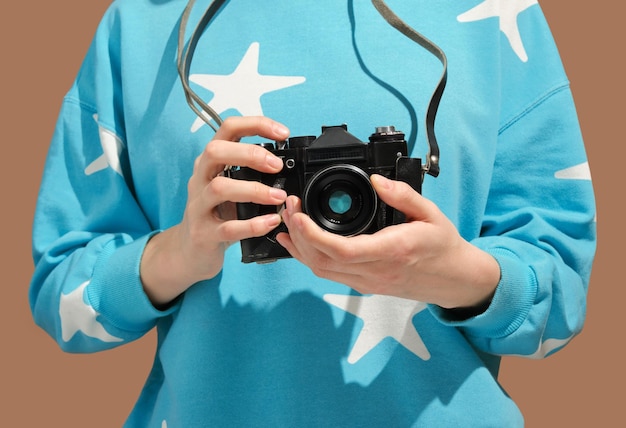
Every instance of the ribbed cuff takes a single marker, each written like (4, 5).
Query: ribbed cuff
(116, 291)
(510, 305)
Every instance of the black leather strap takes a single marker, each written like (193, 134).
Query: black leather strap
(204, 111)
(185, 55)
(432, 159)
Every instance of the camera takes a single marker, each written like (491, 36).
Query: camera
(330, 174)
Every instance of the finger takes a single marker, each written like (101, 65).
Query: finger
(308, 239)
(223, 189)
(221, 151)
(351, 275)
(218, 153)
(311, 241)
(404, 198)
(234, 128)
(284, 239)
(315, 244)
(236, 230)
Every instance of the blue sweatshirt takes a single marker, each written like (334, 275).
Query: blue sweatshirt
(271, 344)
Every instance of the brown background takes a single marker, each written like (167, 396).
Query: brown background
(43, 44)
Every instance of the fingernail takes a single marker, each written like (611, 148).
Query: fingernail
(381, 181)
(278, 194)
(273, 220)
(274, 162)
(281, 130)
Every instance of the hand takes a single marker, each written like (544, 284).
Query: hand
(194, 249)
(423, 259)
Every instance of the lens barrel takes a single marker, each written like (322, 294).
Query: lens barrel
(341, 199)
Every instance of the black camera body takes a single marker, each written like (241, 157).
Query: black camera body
(330, 174)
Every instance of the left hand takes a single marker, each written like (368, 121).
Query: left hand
(423, 259)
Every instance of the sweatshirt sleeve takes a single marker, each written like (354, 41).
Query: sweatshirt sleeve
(540, 226)
(89, 230)
(539, 220)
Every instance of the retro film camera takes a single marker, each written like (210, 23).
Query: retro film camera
(330, 174)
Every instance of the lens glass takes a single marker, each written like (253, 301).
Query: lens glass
(339, 202)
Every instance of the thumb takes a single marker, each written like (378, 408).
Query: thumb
(404, 198)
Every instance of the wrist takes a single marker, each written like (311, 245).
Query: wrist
(483, 281)
(162, 271)
(477, 280)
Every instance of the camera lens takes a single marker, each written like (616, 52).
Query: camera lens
(340, 199)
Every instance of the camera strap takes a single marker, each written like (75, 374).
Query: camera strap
(204, 111)
(432, 159)
(185, 55)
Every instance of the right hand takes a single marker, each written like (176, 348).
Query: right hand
(193, 250)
